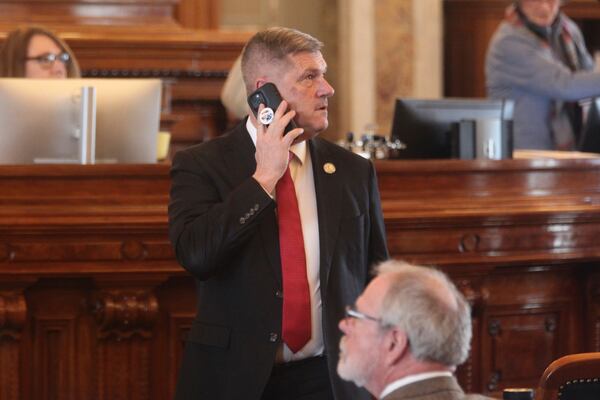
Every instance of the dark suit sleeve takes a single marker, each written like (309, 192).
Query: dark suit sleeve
(209, 218)
(378, 250)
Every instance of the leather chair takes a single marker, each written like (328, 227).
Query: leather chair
(572, 377)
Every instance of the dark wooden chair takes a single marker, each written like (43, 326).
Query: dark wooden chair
(572, 377)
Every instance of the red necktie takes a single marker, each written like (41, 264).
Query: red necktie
(296, 299)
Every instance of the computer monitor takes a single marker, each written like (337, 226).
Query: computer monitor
(445, 128)
(40, 120)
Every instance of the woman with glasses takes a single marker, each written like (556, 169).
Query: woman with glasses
(35, 52)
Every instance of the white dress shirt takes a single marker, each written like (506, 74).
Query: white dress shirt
(302, 174)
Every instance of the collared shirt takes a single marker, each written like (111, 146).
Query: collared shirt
(407, 380)
(302, 174)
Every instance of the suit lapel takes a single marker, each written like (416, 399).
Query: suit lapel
(240, 161)
(328, 195)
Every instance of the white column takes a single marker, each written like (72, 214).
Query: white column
(356, 93)
(428, 48)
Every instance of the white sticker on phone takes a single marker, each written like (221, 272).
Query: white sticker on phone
(266, 116)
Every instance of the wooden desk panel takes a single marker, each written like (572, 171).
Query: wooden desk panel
(92, 302)
(520, 239)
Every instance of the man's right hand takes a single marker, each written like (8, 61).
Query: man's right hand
(272, 147)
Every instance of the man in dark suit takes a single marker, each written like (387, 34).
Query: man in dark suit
(406, 334)
(279, 231)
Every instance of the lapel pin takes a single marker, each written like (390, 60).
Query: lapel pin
(329, 168)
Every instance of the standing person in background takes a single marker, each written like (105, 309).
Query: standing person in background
(233, 94)
(406, 334)
(35, 52)
(538, 58)
(279, 232)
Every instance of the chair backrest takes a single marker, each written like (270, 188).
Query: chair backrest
(576, 376)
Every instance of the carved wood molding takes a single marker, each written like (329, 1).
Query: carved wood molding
(13, 314)
(124, 313)
(152, 73)
(172, 14)
(13, 321)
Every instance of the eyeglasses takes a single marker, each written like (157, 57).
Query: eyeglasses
(352, 312)
(48, 59)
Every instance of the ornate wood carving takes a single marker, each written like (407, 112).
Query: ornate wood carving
(126, 312)
(123, 313)
(521, 342)
(13, 312)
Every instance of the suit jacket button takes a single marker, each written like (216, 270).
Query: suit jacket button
(256, 207)
(247, 216)
(279, 294)
(273, 337)
(242, 220)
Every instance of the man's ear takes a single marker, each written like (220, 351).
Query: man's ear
(397, 346)
(260, 82)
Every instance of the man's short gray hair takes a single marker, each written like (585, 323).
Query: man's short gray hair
(426, 305)
(272, 46)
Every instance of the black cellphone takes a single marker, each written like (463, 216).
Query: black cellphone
(268, 95)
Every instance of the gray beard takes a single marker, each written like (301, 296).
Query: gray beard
(355, 369)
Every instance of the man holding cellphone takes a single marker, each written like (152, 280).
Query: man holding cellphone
(279, 230)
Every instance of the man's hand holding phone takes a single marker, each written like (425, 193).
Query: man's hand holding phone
(273, 145)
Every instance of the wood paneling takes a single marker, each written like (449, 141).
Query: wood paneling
(93, 284)
(94, 305)
(199, 14)
(520, 239)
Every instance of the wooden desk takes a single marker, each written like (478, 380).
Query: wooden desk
(93, 304)
(520, 238)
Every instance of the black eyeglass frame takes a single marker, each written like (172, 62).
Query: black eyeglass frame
(48, 59)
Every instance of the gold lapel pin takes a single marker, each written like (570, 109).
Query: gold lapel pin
(329, 168)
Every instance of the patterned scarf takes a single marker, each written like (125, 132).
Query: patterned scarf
(565, 117)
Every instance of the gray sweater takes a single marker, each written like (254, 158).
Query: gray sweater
(521, 67)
